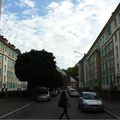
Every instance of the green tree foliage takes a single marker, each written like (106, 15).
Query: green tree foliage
(38, 68)
(72, 71)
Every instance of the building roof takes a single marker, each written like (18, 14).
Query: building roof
(61, 71)
(72, 79)
(8, 44)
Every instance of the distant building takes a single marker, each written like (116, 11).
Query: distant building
(68, 80)
(8, 56)
(72, 82)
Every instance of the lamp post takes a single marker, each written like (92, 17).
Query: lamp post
(80, 83)
(79, 53)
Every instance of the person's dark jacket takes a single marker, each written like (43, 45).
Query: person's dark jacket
(63, 101)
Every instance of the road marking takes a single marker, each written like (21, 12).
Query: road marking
(112, 114)
(18, 109)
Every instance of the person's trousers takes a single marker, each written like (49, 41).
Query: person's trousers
(64, 112)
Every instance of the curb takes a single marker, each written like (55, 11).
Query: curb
(14, 111)
(112, 114)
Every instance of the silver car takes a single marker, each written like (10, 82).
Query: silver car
(45, 96)
(73, 93)
(90, 101)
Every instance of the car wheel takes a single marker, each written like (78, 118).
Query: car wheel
(102, 110)
(82, 109)
(78, 105)
(37, 100)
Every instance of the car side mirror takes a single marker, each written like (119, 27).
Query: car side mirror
(80, 97)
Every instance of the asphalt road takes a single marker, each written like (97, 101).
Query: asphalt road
(50, 110)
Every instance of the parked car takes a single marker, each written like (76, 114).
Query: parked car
(54, 93)
(73, 93)
(90, 101)
(44, 96)
(68, 90)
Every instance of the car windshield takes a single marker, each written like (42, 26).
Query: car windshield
(90, 96)
(73, 90)
(44, 92)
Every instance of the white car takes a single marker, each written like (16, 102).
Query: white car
(73, 93)
(90, 101)
(45, 96)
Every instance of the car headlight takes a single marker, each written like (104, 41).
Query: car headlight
(84, 103)
(101, 103)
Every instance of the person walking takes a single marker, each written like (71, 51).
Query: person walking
(63, 101)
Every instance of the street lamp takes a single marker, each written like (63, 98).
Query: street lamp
(81, 67)
(79, 53)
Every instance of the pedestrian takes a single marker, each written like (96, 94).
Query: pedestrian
(63, 101)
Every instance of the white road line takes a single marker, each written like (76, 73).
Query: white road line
(112, 114)
(18, 109)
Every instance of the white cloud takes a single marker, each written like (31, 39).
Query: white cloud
(26, 3)
(66, 28)
(31, 9)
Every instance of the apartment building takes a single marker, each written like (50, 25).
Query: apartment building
(109, 41)
(8, 56)
(102, 62)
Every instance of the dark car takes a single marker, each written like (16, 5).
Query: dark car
(54, 93)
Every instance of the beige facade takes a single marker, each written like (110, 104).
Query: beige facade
(8, 56)
(102, 62)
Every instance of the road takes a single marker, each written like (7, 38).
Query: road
(50, 110)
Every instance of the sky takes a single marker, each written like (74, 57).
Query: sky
(58, 26)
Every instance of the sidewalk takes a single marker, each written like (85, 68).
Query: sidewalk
(113, 108)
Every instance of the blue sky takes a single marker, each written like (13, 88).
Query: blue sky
(18, 6)
(58, 26)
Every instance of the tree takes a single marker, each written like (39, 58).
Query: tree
(38, 68)
(72, 71)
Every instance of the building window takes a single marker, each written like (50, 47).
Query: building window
(119, 18)
(118, 82)
(109, 31)
(115, 23)
(107, 49)
(116, 37)
(111, 45)
(103, 51)
(117, 54)
(111, 62)
(4, 78)
(103, 41)
(5, 68)
(106, 65)
(102, 80)
(1, 47)
(110, 78)
(102, 67)
(119, 35)
(107, 80)
(118, 68)
(1, 58)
